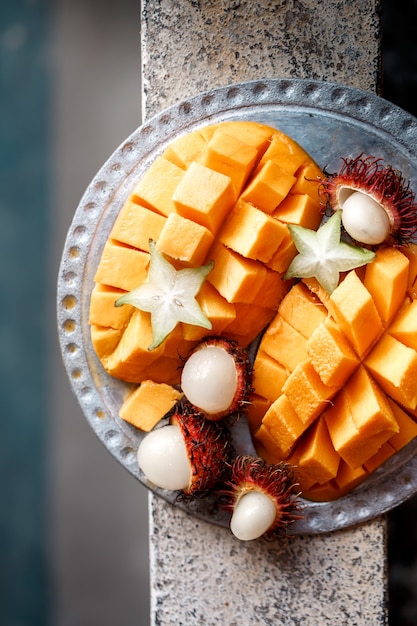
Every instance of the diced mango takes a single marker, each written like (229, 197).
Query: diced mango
(186, 149)
(307, 393)
(237, 279)
(309, 176)
(348, 478)
(269, 187)
(158, 196)
(314, 286)
(135, 225)
(104, 340)
(404, 326)
(184, 240)
(284, 151)
(148, 404)
(394, 366)
(252, 232)
(284, 344)
(283, 256)
(131, 356)
(251, 133)
(122, 267)
(317, 455)
(299, 209)
(103, 312)
(250, 320)
(283, 424)
(368, 405)
(331, 355)
(302, 310)
(407, 425)
(204, 196)
(268, 376)
(385, 452)
(352, 307)
(265, 446)
(349, 440)
(229, 155)
(386, 280)
(256, 409)
(219, 311)
(410, 251)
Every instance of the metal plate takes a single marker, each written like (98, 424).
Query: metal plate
(329, 121)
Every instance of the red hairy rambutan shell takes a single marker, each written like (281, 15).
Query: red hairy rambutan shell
(385, 186)
(209, 448)
(216, 378)
(278, 481)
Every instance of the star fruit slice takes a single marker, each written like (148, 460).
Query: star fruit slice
(169, 296)
(323, 255)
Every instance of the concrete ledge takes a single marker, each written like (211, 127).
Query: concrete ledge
(200, 574)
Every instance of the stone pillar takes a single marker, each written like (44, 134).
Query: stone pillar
(200, 574)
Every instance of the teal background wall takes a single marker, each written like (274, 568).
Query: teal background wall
(24, 207)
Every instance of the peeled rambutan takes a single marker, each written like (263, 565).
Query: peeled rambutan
(216, 378)
(377, 203)
(190, 454)
(262, 497)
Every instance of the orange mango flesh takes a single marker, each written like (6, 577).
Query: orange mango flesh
(319, 353)
(148, 404)
(187, 202)
(359, 377)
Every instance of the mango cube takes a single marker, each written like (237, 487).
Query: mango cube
(148, 404)
(204, 196)
(284, 344)
(158, 197)
(352, 307)
(103, 312)
(394, 366)
(300, 209)
(237, 279)
(184, 240)
(122, 267)
(302, 310)
(283, 424)
(404, 326)
(136, 224)
(186, 149)
(229, 155)
(268, 376)
(331, 355)
(317, 455)
(287, 153)
(307, 393)
(252, 232)
(269, 187)
(386, 279)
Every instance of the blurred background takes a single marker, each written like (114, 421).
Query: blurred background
(73, 524)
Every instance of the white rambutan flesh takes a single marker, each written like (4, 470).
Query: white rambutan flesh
(162, 456)
(364, 219)
(209, 379)
(254, 514)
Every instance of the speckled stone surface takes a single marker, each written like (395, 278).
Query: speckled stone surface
(195, 44)
(200, 574)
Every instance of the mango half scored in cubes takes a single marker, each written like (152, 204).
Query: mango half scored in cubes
(334, 377)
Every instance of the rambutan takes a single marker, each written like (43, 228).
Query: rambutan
(190, 454)
(262, 497)
(377, 203)
(216, 378)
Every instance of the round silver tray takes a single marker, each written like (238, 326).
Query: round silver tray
(329, 121)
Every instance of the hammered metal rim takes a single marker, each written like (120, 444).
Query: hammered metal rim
(394, 130)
